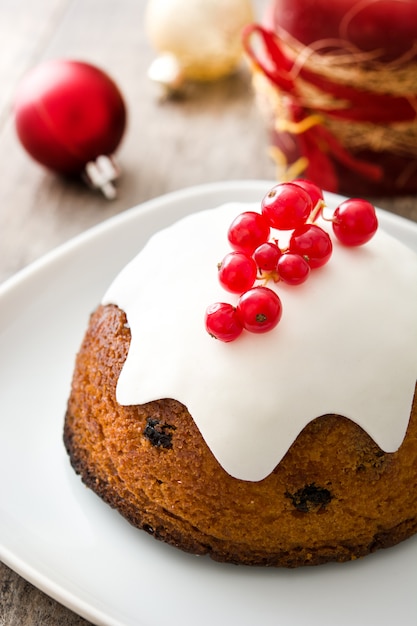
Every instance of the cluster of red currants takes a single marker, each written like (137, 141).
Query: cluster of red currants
(257, 256)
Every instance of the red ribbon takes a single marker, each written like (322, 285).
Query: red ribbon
(317, 143)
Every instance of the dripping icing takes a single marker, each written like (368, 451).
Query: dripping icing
(250, 399)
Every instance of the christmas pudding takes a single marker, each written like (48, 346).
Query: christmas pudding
(245, 388)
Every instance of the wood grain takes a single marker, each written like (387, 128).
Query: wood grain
(215, 133)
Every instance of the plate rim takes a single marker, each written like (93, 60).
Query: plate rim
(156, 203)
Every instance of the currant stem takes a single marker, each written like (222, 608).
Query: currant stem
(332, 219)
(267, 276)
(316, 211)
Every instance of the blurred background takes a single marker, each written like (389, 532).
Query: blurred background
(213, 132)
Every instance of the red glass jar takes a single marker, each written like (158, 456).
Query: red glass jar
(340, 79)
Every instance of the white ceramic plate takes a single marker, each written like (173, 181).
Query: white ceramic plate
(61, 537)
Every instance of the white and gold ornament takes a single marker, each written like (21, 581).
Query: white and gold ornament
(195, 41)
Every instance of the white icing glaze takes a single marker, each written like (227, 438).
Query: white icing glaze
(346, 343)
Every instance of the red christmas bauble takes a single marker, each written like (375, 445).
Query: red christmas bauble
(68, 113)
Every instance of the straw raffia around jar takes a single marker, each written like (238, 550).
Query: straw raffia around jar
(337, 100)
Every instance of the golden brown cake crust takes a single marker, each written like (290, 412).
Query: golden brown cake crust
(335, 496)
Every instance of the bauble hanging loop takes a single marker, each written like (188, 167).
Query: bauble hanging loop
(69, 114)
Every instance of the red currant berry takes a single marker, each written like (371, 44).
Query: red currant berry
(223, 322)
(313, 243)
(286, 206)
(259, 309)
(247, 231)
(293, 269)
(355, 222)
(315, 194)
(237, 272)
(266, 256)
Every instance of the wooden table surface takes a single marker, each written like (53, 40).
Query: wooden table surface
(215, 133)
